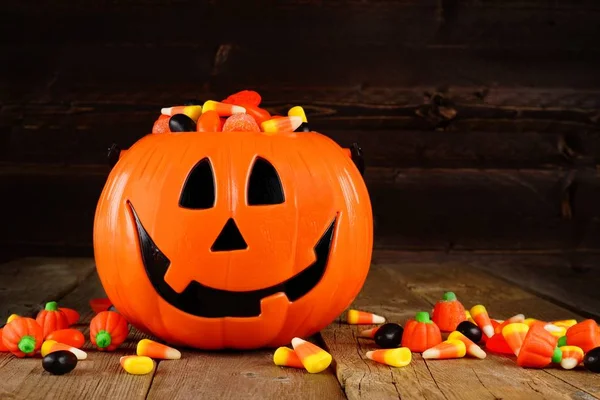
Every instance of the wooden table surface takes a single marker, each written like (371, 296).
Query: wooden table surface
(399, 284)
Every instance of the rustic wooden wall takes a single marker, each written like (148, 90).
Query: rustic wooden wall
(480, 120)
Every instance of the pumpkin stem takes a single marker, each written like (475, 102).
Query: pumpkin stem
(51, 306)
(27, 344)
(423, 317)
(562, 341)
(557, 356)
(103, 339)
(449, 296)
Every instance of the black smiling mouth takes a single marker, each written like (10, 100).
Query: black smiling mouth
(203, 301)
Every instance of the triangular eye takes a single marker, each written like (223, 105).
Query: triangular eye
(264, 185)
(199, 189)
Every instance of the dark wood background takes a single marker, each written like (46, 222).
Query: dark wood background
(480, 120)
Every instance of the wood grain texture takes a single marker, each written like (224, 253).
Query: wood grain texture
(400, 285)
(26, 284)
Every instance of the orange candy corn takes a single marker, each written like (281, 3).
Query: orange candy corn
(514, 334)
(356, 317)
(472, 348)
(193, 112)
(209, 121)
(152, 349)
(482, 319)
(283, 124)
(314, 358)
(368, 333)
(446, 350)
(286, 357)
(511, 320)
(399, 357)
(223, 109)
(572, 356)
(555, 330)
(50, 346)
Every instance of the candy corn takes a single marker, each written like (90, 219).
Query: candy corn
(399, 357)
(356, 317)
(223, 109)
(152, 349)
(209, 121)
(368, 333)
(566, 323)
(451, 348)
(12, 317)
(572, 356)
(469, 317)
(137, 365)
(555, 330)
(472, 348)
(530, 321)
(514, 334)
(286, 357)
(193, 112)
(283, 124)
(482, 319)
(511, 320)
(314, 358)
(299, 112)
(50, 346)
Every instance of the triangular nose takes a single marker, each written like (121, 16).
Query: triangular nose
(230, 238)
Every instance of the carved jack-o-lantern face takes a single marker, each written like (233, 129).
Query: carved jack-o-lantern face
(237, 240)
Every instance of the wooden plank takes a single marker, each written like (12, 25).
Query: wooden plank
(28, 283)
(400, 285)
(98, 377)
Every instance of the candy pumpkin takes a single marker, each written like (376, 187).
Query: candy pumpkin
(23, 337)
(421, 333)
(233, 239)
(585, 335)
(108, 330)
(448, 313)
(52, 319)
(539, 348)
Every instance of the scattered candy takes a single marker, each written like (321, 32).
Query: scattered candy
(446, 350)
(193, 112)
(470, 330)
(240, 123)
(539, 348)
(511, 320)
(223, 109)
(209, 121)
(482, 319)
(59, 362)
(99, 305)
(72, 315)
(50, 346)
(152, 349)
(591, 360)
(312, 357)
(585, 334)
(51, 319)
(356, 317)
(572, 356)
(497, 344)
(23, 337)
(12, 317)
(368, 333)
(283, 124)
(244, 97)
(399, 357)
(181, 123)
(137, 365)
(161, 125)
(448, 313)
(565, 323)
(555, 330)
(299, 112)
(72, 337)
(514, 334)
(108, 330)
(388, 336)
(286, 357)
(471, 348)
(421, 333)
(531, 321)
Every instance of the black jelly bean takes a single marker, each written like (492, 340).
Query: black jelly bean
(470, 330)
(181, 123)
(591, 360)
(59, 362)
(389, 336)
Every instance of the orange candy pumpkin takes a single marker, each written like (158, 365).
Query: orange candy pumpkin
(52, 319)
(23, 337)
(448, 313)
(3, 348)
(242, 240)
(585, 335)
(108, 330)
(539, 348)
(421, 333)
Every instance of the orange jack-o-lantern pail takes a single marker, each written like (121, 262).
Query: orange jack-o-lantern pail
(233, 240)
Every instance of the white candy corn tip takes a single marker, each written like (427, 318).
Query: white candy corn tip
(173, 354)
(478, 352)
(377, 319)
(296, 121)
(553, 328)
(367, 333)
(166, 110)
(297, 342)
(80, 354)
(370, 354)
(488, 330)
(431, 354)
(568, 363)
(239, 110)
